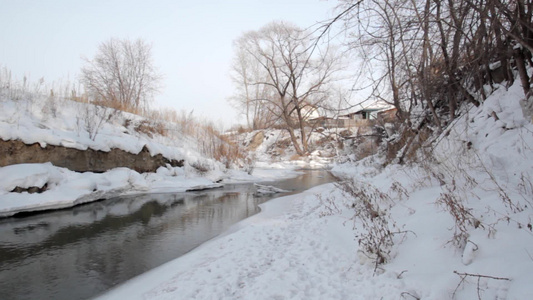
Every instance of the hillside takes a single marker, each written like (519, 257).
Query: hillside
(458, 223)
(32, 118)
(272, 147)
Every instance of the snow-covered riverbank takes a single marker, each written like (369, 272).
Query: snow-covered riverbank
(33, 118)
(305, 247)
(64, 188)
(457, 225)
(286, 251)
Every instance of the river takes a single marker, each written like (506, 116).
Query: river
(80, 252)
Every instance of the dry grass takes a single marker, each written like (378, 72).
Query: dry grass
(408, 147)
(365, 147)
(462, 217)
(200, 167)
(210, 140)
(374, 226)
(295, 157)
(150, 128)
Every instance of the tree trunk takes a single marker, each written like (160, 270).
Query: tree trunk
(294, 140)
(303, 138)
(522, 72)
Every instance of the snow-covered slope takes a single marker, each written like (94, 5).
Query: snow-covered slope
(61, 122)
(273, 148)
(467, 209)
(33, 118)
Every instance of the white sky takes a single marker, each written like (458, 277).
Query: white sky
(192, 40)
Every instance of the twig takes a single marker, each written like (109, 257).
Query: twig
(529, 254)
(406, 293)
(475, 245)
(478, 276)
(463, 278)
(400, 275)
(482, 276)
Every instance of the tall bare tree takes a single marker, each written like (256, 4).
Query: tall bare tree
(122, 74)
(294, 75)
(248, 96)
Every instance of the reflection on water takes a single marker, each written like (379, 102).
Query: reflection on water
(80, 252)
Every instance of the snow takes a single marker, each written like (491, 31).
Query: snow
(268, 189)
(495, 65)
(27, 175)
(276, 152)
(305, 246)
(66, 188)
(70, 125)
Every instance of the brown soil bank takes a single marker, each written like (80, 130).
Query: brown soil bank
(16, 152)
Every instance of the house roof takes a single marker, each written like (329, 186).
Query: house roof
(360, 108)
(374, 107)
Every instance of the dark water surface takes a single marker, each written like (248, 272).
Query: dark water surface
(81, 252)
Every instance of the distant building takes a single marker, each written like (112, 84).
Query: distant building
(362, 117)
(363, 114)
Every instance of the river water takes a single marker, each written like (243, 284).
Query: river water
(80, 252)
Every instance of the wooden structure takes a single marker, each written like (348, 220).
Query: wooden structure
(360, 118)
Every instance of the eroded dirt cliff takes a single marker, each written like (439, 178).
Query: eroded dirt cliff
(16, 152)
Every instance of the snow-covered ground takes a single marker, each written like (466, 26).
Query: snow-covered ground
(65, 188)
(284, 252)
(275, 150)
(312, 245)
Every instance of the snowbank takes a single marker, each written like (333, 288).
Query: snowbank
(64, 188)
(467, 211)
(286, 251)
(59, 122)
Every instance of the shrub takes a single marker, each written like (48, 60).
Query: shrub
(201, 167)
(377, 229)
(462, 217)
(150, 128)
(91, 118)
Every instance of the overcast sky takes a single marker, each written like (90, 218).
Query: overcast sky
(192, 40)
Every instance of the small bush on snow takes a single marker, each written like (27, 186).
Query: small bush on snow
(374, 227)
(201, 167)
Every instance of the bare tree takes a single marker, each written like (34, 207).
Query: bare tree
(294, 75)
(437, 55)
(248, 96)
(122, 75)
